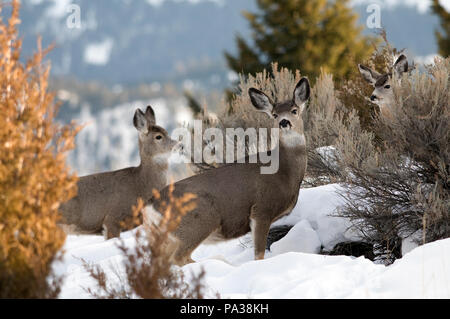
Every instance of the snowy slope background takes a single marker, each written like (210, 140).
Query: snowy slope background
(134, 41)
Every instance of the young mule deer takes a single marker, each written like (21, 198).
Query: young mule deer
(383, 94)
(236, 198)
(104, 200)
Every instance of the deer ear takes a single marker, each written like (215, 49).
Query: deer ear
(140, 121)
(260, 101)
(401, 65)
(150, 115)
(368, 74)
(302, 92)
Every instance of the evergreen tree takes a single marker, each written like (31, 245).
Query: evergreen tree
(302, 34)
(443, 39)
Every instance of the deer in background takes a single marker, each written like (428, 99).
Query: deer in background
(383, 94)
(236, 198)
(105, 200)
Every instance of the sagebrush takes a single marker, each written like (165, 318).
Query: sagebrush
(400, 189)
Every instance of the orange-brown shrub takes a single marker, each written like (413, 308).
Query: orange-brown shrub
(34, 178)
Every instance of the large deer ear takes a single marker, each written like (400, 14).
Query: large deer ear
(368, 74)
(260, 101)
(401, 65)
(140, 121)
(150, 115)
(302, 92)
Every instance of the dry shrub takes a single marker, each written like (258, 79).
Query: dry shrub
(148, 265)
(34, 179)
(402, 189)
(324, 121)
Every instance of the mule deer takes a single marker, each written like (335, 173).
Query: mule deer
(383, 94)
(236, 198)
(104, 200)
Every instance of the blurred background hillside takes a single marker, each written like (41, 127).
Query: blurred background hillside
(130, 53)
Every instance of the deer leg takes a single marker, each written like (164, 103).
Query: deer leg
(111, 227)
(260, 230)
(187, 244)
(191, 233)
(184, 260)
(172, 249)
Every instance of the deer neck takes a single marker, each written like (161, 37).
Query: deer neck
(152, 174)
(293, 156)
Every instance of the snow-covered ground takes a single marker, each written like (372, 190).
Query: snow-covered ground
(292, 269)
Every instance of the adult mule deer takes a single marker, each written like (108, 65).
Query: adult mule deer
(236, 198)
(104, 200)
(382, 94)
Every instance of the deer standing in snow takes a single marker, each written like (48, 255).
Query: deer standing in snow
(236, 198)
(105, 200)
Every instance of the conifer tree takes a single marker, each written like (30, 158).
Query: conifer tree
(302, 34)
(443, 39)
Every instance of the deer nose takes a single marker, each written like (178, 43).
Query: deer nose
(285, 123)
(373, 98)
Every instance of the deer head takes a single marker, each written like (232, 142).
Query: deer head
(287, 115)
(382, 95)
(154, 141)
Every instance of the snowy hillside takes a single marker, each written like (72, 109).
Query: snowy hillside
(292, 269)
(171, 40)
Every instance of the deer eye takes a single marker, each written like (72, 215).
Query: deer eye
(387, 86)
(158, 137)
(275, 116)
(294, 111)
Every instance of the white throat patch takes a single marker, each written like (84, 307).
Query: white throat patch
(291, 138)
(161, 158)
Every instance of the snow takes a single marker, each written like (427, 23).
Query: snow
(99, 53)
(316, 205)
(292, 269)
(422, 273)
(300, 238)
